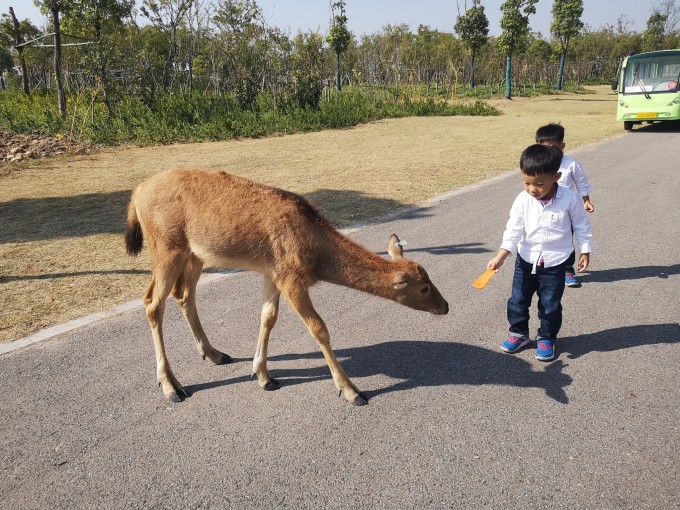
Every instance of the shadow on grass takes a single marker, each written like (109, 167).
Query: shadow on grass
(75, 274)
(349, 207)
(42, 219)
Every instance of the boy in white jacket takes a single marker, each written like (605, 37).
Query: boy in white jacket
(573, 177)
(543, 220)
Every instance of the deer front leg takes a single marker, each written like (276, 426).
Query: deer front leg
(302, 303)
(184, 291)
(270, 312)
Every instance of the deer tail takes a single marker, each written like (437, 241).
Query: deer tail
(133, 234)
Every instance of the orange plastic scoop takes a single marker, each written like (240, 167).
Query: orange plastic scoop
(484, 278)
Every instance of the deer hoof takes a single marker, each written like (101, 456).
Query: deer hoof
(175, 397)
(178, 395)
(360, 400)
(271, 385)
(224, 359)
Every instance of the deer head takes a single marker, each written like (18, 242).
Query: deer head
(411, 284)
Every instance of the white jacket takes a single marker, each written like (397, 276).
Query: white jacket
(572, 175)
(536, 231)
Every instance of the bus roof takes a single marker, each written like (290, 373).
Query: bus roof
(654, 54)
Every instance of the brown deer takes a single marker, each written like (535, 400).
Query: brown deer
(194, 217)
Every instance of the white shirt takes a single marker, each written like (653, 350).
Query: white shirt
(572, 175)
(536, 231)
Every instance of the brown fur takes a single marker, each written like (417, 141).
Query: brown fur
(193, 217)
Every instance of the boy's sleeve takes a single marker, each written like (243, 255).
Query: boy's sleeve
(580, 180)
(581, 226)
(514, 229)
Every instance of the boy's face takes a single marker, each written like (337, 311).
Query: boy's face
(540, 185)
(554, 143)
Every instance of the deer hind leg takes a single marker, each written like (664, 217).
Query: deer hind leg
(302, 303)
(270, 312)
(162, 278)
(184, 291)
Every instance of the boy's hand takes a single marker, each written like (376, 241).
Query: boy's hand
(583, 262)
(588, 205)
(497, 261)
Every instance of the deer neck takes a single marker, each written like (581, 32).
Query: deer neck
(351, 265)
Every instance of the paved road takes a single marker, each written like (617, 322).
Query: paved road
(452, 421)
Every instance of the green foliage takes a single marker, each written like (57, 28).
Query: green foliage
(566, 21)
(653, 37)
(473, 27)
(338, 36)
(515, 25)
(196, 117)
(307, 66)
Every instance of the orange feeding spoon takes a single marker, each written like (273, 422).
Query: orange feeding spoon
(484, 278)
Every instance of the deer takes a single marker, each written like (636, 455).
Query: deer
(193, 218)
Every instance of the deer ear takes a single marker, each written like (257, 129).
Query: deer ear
(400, 281)
(394, 248)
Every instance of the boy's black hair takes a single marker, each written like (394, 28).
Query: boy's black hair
(550, 133)
(540, 159)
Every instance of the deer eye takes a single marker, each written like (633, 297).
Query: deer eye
(425, 290)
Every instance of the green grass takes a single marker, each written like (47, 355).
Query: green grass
(184, 118)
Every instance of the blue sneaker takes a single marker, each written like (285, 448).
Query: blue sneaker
(545, 349)
(514, 344)
(571, 281)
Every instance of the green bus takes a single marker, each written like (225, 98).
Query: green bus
(648, 88)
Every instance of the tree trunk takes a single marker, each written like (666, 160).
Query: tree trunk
(560, 75)
(57, 63)
(508, 77)
(20, 51)
(338, 85)
(472, 70)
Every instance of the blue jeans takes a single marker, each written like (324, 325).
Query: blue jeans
(548, 283)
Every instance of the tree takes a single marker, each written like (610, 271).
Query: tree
(473, 29)
(54, 9)
(670, 9)
(338, 36)
(514, 38)
(91, 19)
(653, 37)
(167, 16)
(15, 33)
(565, 25)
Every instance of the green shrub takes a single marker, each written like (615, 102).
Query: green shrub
(195, 117)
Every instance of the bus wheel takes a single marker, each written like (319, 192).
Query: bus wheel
(627, 125)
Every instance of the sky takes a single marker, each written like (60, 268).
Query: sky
(370, 16)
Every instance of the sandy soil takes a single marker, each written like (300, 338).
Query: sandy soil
(61, 246)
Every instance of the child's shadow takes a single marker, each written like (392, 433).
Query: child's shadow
(415, 364)
(632, 273)
(620, 338)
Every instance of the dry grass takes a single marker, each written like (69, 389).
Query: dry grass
(61, 245)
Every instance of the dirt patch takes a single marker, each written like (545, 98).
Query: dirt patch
(16, 147)
(61, 245)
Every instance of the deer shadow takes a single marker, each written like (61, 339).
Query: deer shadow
(413, 364)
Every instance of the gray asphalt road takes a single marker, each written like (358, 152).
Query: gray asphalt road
(452, 421)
